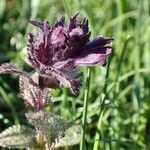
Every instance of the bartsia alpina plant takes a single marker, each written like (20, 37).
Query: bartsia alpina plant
(54, 53)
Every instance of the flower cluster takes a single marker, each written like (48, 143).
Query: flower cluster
(55, 52)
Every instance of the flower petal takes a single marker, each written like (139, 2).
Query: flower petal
(96, 43)
(47, 71)
(93, 57)
(36, 23)
(58, 35)
(65, 80)
(60, 22)
(64, 65)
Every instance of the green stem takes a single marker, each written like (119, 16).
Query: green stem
(137, 40)
(103, 96)
(122, 57)
(120, 13)
(64, 105)
(86, 97)
(97, 135)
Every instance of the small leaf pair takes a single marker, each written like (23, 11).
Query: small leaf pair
(34, 96)
(51, 132)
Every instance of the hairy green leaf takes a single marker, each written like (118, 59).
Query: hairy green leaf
(72, 137)
(18, 136)
(50, 125)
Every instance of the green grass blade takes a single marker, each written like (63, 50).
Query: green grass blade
(84, 117)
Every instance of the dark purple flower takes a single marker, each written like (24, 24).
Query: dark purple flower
(33, 95)
(55, 51)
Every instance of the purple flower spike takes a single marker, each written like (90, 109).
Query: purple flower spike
(56, 51)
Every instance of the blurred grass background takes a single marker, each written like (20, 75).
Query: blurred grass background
(119, 95)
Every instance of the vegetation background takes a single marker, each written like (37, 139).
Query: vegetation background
(118, 115)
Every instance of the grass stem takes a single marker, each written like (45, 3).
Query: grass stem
(86, 98)
(103, 96)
